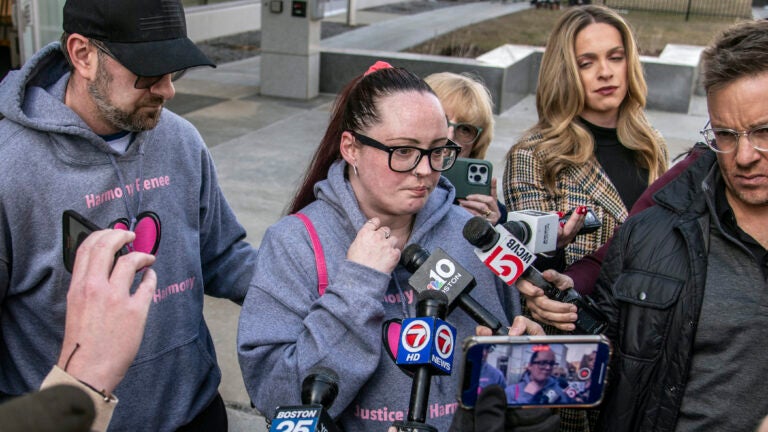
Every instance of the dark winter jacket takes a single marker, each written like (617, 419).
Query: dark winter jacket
(651, 288)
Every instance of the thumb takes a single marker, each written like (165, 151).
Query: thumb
(522, 325)
(561, 281)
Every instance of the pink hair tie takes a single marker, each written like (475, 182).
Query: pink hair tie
(379, 65)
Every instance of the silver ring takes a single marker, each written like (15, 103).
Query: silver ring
(387, 234)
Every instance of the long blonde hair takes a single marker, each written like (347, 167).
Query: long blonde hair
(560, 140)
(470, 101)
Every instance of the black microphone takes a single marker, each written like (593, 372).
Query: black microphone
(426, 347)
(439, 271)
(318, 391)
(504, 254)
(61, 408)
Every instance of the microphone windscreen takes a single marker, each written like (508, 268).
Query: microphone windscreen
(61, 408)
(480, 233)
(321, 386)
(413, 256)
(430, 294)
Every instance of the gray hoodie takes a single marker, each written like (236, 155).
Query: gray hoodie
(286, 328)
(50, 162)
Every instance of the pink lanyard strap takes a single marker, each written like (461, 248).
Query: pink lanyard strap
(322, 271)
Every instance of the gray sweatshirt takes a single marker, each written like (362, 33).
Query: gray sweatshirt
(287, 328)
(50, 162)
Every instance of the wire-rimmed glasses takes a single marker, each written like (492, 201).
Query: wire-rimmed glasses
(724, 140)
(465, 133)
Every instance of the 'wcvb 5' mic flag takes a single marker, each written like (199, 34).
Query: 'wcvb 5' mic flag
(427, 341)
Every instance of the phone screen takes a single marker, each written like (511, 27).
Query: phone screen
(554, 372)
(75, 228)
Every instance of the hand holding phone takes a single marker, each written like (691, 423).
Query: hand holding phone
(470, 176)
(76, 228)
(591, 222)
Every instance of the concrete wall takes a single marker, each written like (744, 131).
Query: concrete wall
(511, 72)
(508, 85)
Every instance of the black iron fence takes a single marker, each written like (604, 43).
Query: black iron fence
(714, 8)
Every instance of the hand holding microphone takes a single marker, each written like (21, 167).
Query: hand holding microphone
(553, 312)
(506, 256)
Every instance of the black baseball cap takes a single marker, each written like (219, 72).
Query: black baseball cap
(148, 37)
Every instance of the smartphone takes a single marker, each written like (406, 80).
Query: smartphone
(591, 222)
(556, 371)
(76, 228)
(470, 176)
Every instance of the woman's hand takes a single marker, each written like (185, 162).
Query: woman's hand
(483, 205)
(546, 310)
(375, 247)
(568, 231)
(520, 326)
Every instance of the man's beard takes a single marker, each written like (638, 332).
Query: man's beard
(135, 121)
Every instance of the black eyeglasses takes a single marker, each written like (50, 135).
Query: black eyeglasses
(142, 82)
(543, 363)
(723, 140)
(465, 133)
(406, 158)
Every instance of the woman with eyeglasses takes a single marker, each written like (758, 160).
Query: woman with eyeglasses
(373, 186)
(469, 109)
(537, 385)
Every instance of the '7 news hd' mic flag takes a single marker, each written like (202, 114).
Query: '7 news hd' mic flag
(426, 348)
(427, 341)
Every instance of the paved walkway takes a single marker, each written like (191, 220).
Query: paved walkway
(262, 145)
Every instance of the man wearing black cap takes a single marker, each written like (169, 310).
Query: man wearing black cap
(85, 130)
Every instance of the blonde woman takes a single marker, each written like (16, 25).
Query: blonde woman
(469, 109)
(592, 147)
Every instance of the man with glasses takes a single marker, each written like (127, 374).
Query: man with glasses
(85, 129)
(538, 386)
(684, 282)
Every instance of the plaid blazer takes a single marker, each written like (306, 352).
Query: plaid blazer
(586, 185)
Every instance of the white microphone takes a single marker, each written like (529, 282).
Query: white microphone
(537, 230)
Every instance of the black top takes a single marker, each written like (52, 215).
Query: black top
(619, 164)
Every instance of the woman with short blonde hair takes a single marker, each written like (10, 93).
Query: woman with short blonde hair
(469, 109)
